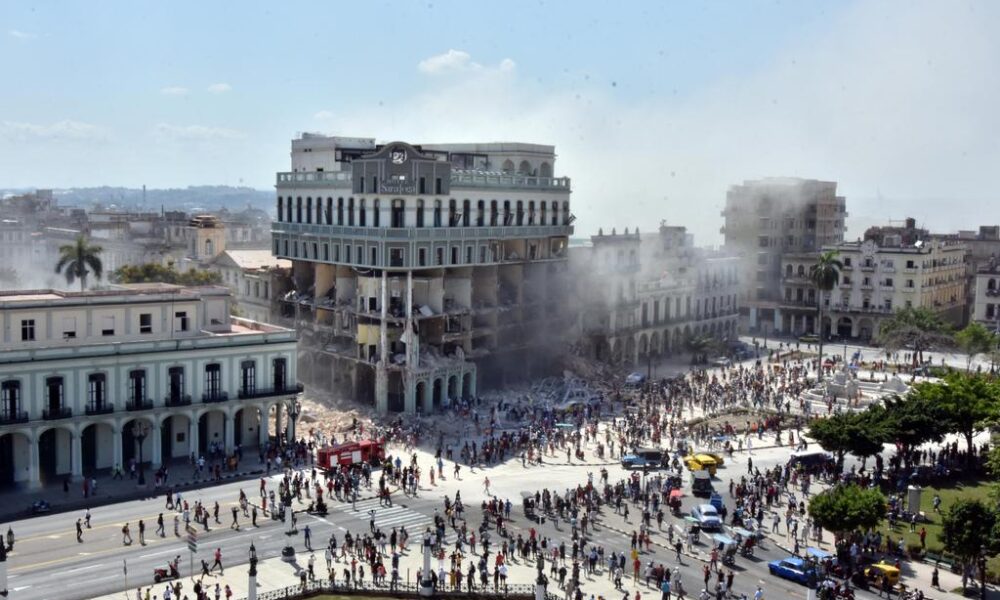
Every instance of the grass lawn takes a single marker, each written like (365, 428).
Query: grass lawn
(975, 490)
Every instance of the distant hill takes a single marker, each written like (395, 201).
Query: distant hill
(208, 197)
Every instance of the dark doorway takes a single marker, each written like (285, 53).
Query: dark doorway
(6, 460)
(166, 440)
(88, 447)
(238, 424)
(47, 456)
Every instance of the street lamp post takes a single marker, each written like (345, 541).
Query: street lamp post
(288, 552)
(252, 583)
(3, 570)
(293, 413)
(140, 430)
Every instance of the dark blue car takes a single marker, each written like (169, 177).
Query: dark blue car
(793, 568)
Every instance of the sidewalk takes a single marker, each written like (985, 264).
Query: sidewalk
(17, 502)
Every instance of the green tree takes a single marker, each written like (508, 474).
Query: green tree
(843, 509)
(156, 273)
(915, 330)
(969, 531)
(869, 433)
(699, 346)
(966, 403)
(825, 274)
(974, 340)
(79, 259)
(912, 421)
(834, 434)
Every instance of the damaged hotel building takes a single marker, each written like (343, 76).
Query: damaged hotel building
(423, 272)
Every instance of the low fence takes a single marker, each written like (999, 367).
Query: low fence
(519, 591)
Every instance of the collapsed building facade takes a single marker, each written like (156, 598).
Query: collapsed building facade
(423, 272)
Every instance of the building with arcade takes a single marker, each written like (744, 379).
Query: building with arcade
(152, 372)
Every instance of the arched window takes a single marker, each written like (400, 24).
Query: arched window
(545, 170)
(788, 270)
(800, 271)
(437, 213)
(466, 210)
(209, 248)
(362, 214)
(350, 212)
(480, 213)
(329, 211)
(565, 210)
(376, 217)
(298, 209)
(420, 213)
(309, 209)
(506, 213)
(281, 208)
(531, 212)
(340, 211)
(991, 284)
(508, 167)
(541, 219)
(520, 213)
(493, 213)
(555, 213)
(524, 168)
(452, 213)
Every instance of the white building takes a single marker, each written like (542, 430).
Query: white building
(79, 370)
(874, 283)
(986, 304)
(257, 279)
(643, 296)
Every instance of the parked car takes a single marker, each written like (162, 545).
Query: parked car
(707, 517)
(810, 459)
(717, 457)
(795, 569)
(652, 458)
(882, 568)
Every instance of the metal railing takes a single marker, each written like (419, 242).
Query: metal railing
(139, 404)
(216, 396)
(50, 414)
(10, 418)
(179, 400)
(399, 589)
(105, 408)
(260, 392)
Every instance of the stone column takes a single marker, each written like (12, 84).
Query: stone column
(277, 418)
(193, 436)
(156, 452)
(262, 435)
(34, 480)
(116, 447)
(76, 456)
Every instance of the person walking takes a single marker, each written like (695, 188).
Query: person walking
(253, 516)
(79, 531)
(159, 526)
(307, 534)
(86, 518)
(218, 561)
(126, 535)
(142, 532)
(236, 520)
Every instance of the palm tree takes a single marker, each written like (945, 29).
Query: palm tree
(825, 274)
(700, 346)
(79, 259)
(914, 330)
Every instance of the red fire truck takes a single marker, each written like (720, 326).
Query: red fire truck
(351, 453)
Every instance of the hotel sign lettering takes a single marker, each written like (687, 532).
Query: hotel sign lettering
(397, 187)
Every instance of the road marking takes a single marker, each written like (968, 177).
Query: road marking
(23, 587)
(86, 568)
(156, 553)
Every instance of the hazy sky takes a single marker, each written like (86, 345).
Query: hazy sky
(655, 108)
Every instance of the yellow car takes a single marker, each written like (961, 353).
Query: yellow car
(700, 462)
(719, 460)
(882, 568)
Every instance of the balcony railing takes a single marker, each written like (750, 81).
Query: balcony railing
(271, 391)
(139, 404)
(50, 414)
(99, 409)
(216, 396)
(10, 418)
(179, 400)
